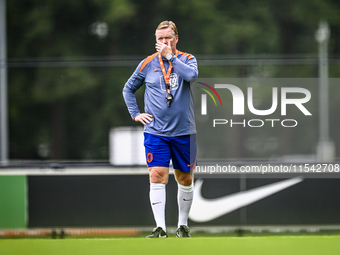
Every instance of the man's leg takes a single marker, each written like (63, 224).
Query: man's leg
(183, 152)
(158, 180)
(158, 156)
(184, 196)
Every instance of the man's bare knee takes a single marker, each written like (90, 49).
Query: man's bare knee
(159, 175)
(184, 178)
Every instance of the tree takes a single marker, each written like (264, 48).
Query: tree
(70, 107)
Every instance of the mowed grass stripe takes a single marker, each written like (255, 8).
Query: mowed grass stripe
(309, 245)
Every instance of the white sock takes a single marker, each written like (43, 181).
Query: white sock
(184, 199)
(157, 201)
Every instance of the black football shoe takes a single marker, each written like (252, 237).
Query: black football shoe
(158, 233)
(183, 231)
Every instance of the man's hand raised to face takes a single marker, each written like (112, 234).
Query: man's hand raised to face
(163, 48)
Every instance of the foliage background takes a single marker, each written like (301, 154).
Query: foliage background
(65, 81)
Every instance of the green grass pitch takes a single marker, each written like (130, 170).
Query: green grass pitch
(277, 245)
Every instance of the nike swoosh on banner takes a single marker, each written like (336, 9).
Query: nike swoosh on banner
(203, 209)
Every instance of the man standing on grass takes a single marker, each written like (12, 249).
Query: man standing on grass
(170, 130)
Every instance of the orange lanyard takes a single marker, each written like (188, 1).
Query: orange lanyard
(166, 75)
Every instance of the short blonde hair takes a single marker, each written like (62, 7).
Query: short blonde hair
(166, 24)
